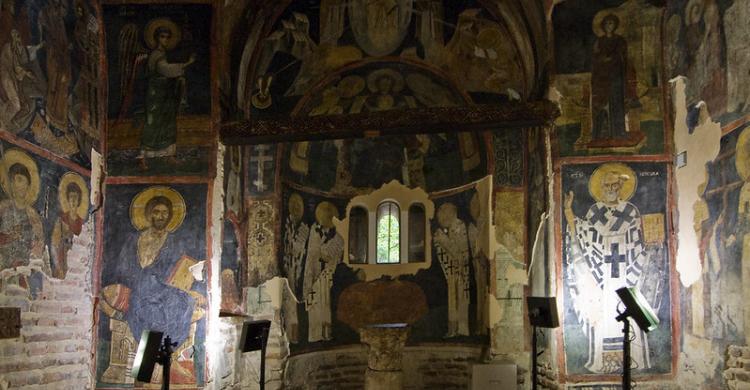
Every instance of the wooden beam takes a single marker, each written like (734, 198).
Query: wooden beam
(514, 115)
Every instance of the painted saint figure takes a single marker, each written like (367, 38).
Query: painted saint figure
(21, 230)
(613, 83)
(70, 222)
(165, 92)
(16, 107)
(452, 248)
(155, 263)
(325, 249)
(606, 251)
(481, 266)
(296, 232)
(59, 74)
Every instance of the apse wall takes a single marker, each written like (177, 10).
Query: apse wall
(669, 150)
(50, 124)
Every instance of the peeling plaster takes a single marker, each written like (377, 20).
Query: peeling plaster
(405, 197)
(214, 338)
(702, 146)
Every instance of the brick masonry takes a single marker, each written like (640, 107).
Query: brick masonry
(425, 367)
(54, 350)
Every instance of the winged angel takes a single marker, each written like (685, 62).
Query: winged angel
(166, 88)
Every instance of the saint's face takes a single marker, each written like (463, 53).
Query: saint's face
(611, 190)
(609, 26)
(159, 217)
(19, 186)
(74, 200)
(164, 38)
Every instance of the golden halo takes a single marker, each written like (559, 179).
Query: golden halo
(398, 80)
(17, 156)
(742, 155)
(489, 38)
(138, 207)
(351, 86)
(597, 23)
(154, 25)
(62, 194)
(296, 206)
(446, 214)
(628, 186)
(325, 212)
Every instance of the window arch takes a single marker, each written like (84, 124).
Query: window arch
(388, 238)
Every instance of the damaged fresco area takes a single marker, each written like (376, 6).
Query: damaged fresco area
(49, 89)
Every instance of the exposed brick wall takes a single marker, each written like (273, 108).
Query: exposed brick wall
(737, 372)
(54, 350)
(425, 367)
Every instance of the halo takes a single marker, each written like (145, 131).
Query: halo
(154, 24)
(351, 86)
(296, 200)
(628, 187)
(138, 207)
(489, 38)
(398, 80)
(742, 159)
(597, 23)
(17, 156)
(67, 179)
(325, 212)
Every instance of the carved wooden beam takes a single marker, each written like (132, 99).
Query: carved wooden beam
(515, 115)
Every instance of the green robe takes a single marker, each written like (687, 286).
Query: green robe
(163, 95)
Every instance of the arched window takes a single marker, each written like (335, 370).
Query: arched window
(416, 232)
(388, 234)
(358, 233)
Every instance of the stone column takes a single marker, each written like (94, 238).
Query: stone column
(385, 354)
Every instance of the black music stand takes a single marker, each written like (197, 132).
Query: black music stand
(542, 314)
(637, 308)
(152, 350)
(255, 337)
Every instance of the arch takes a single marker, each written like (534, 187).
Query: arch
(388, 239)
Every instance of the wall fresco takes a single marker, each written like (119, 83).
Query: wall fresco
(614, 224)
(160, 101)
(49, 56)
(711, 50)
(609, 75)
(279, 58)
(153, 236)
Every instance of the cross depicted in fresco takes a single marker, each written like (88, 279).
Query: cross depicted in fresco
(615, 258)
(261, 158)
(624, 216)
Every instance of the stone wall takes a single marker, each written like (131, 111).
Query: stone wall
(737, 372)
(54, 349)
(425, 367)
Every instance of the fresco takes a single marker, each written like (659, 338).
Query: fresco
(508, 152)
(43, 207)
(702, 32)
(348, 167)
(261, 242)
(277, 65)
(261, 170)
(153, 237)
(715, 304)
(231, 268)
(608, 74)
(49, 62)
(614, 227)
(159, 102)
(311, 254)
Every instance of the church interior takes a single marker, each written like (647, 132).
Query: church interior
(380, 186)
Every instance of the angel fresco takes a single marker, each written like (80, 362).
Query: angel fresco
(166, 85)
